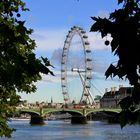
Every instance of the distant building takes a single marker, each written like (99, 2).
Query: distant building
(96, 104)
(51, 104)
(111, 98)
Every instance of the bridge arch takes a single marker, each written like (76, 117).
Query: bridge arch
(71, 112)
(31, 113)
(108, 112)
(36, 117)
(76, 115)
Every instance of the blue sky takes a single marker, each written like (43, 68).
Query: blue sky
(51, 20)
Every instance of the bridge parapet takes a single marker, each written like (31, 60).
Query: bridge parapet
(83, 112)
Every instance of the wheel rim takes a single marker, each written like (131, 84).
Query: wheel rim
(88, 64)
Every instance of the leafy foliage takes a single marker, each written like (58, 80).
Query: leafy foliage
(19, 67)
(124, 27)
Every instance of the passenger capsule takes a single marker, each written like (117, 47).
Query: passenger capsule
(63, 78)
(87, 43)
(89, 59)
(88, 51)
(85, 36)
(83, 32)
(88, 68)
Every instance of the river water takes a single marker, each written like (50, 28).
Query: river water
(61, 130)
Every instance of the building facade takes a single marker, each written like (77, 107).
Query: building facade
(112, 98)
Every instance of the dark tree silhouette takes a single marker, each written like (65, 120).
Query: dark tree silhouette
(19, 67)
(124, 27)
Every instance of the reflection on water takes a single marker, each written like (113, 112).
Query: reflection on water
(60, 130)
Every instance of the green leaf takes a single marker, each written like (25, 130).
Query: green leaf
(110, 71)
(114, 45)
(126, 102)
(19, 66)
(123, 119)
(94, 18)
(123, 26)
(120, 1)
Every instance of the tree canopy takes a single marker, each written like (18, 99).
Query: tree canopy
(124, 27)
(19, 67)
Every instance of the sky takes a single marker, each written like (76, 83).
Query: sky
(51, 20)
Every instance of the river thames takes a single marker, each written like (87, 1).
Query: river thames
(61, 130)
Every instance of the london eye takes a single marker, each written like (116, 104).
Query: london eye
(84, 71)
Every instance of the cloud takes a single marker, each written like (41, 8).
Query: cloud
(47, 40)
(56, 57)
(50, 40)
(57, 78)
(70, 76)
(50, 78)
(96, 42)
(103, 14)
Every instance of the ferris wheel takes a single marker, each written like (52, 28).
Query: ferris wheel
(85, 73)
